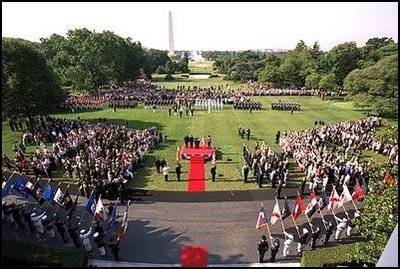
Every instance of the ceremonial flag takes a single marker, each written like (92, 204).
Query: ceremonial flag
(262, 218)
(7, 188)
(31, 189)
(358, 192)
(19, 187)
(58, 197)
(298, 207)
(345, 196)
(100, 213)
(124, 225)
(113, 218)
(286, 211)
(389, 179)
(334, 200)
(48, 193)
(323, 201)
(312, 205)
(276, 213)
(91, 205)
(73, 208)
(67, 202)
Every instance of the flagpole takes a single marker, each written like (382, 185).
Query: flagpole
(297, 228)
(322, 217)
(280, 217)
(94, 215)
(345, 211)
(354, 204)
(309, 223)
(269, 234)
(333, 212)
(84, 210)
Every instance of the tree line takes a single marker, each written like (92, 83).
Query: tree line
(368, 74)
(36, 74)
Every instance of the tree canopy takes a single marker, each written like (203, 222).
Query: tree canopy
(30, 86)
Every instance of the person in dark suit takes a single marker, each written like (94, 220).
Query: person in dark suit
(178, 171)
(262, 248)
(186, 139)
(191, 141)
(279, 189)
(113, 245)
(213, 171)
(158, 165)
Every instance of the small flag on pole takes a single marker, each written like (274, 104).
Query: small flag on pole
(124, 225)
(58, 197)
(298, 207)
(100, 212)
(48, 193)
(262, 219)
(323, 201)
(346, 196)
(334, 200)
(286, 210)
(276, 213)
(7, 188)
(358, 192)
(312, 205)
(91, 205)
(19, 186)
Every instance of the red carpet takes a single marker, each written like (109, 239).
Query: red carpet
(196, 174)
(194, 257)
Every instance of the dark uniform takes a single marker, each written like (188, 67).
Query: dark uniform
(274, 248)
(262, 248)
(328, 232)
(61, 229)
(72, 229)
(178, 171)
(314, 236)
(113, 245)
(213, 172)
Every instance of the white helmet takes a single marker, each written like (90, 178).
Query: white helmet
(305, 230)
(33, 215)
(82, 231)
(356, 214)
(44, 217)
(96, 234)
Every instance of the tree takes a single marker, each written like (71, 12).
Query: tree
(379, 216)
(343, 58)
(375, 87)
(154, 59)
(328, 82)
(30, 86)
(313, 80)
(86, 60)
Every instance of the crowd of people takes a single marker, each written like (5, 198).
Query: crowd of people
(330, 154)
(98, 154)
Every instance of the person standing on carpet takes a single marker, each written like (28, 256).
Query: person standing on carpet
(213, 171)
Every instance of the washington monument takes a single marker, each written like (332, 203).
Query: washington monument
(171, 35)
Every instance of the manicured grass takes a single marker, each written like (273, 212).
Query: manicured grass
(222, 125)
(201, 67)
(179, 80)
(328, 256)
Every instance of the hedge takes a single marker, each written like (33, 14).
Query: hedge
(17, 253)
(329, 256)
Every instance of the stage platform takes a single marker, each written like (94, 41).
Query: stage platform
(187, 152)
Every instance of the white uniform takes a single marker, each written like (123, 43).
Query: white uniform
(37, 222)
(287, 243)
(86, 240)
(343, 223)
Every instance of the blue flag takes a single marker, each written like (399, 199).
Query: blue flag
(113, 218)
(48, 193)
(91, 205)
(323, 201)
(19, 186)
(7, 188)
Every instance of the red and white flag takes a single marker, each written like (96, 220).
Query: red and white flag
(276, 213)
(334, 200)
(345, 196)
(358, 192)
(312, 205)
(100, 212)
(298, 207)
(124, 226)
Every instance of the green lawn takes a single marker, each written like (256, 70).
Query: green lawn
(201, 67)
(222, 126)
(179, 80)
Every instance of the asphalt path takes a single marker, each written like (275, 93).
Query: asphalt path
(157, 231)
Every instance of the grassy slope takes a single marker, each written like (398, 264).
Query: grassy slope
(222, 126)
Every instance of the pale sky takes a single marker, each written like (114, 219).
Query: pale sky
(209, 26)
